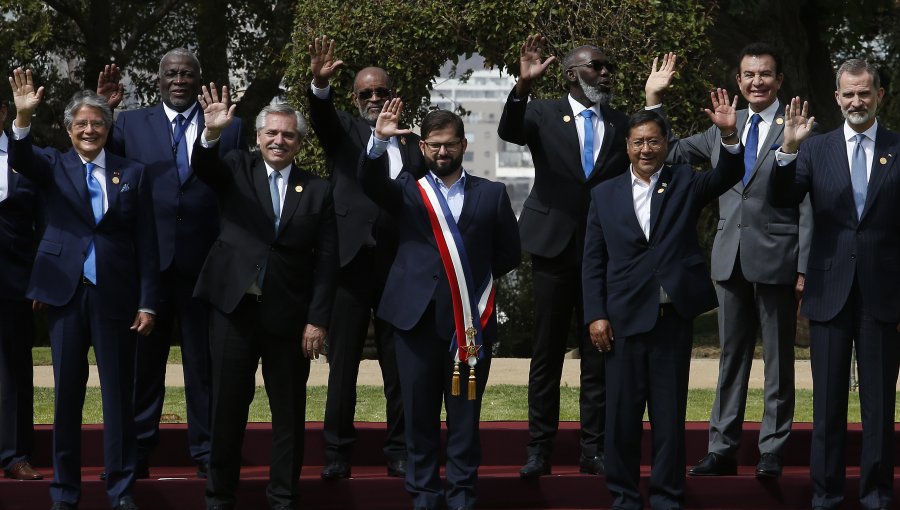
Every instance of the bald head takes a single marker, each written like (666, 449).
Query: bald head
(371, 89)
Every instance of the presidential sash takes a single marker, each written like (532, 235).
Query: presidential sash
(472, 308)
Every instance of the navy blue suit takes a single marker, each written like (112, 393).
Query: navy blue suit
(18, 214)
(187, 223)
(80, 315)
(417, 303)
(852, 297)
(650, 360)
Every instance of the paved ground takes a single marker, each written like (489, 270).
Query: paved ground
(704, 373)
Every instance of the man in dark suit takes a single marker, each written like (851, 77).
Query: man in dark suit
(18, 213)
(457, 232)
(97, 271)
(187, 220)
(851, 296)
(645, 279)
(270, 279)
(758, 261)
(368, 243)
(576, 143)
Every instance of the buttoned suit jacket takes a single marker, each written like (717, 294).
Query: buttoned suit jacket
(187, 218)
(344, 137)
(300, 260)
(622, 271)
(18, 238)
(124, 240)
(558, 203)
(773, 241)
(844, 247)
(486, 223)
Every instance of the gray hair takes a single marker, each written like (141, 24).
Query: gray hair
(181, 52)
(282, 109)
(857, 66)
(87, 98)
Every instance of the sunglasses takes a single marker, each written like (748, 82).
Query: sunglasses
(597, 65)
(367, 94)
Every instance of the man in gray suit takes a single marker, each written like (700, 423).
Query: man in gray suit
(758, 262)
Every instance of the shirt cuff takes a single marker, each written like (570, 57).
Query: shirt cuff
(783, 158)
(147, 310)
(732, 149)
(654, 107)
(376, 147)
(20, 133)
(206, 144)
(320, 93)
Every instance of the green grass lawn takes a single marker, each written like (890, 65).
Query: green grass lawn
(502, 402)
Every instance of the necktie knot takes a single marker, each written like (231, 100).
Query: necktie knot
(89, 168)
(587, 113)
(179, 120)
(860, 138)
(755, 119)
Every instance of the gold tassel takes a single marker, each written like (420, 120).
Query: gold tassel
(454, 385)
(472, 383)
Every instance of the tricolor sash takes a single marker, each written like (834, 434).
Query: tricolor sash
(472, 308)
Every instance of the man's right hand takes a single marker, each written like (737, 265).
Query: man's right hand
(321, 61)
(601, 335)
(217, 114)
(530, 65)
(659, 79)
(25, 96)
(722, 114)
(388, 122)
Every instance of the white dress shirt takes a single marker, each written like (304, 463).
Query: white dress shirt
(597, 119)
(4, 166)
(767, 118)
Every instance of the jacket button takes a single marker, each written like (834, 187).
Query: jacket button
(178, 218)
(435, 277)
(853, 257)
(745, 196)
(257, 267)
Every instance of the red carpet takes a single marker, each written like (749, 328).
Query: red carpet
(173, 485)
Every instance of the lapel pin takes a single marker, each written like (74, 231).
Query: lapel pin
(115, 178)
(298, 188)
(566, 118)
(660, 190)
(883, 160)
(779, 121)
(665, 184)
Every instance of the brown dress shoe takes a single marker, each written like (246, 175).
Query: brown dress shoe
(23, 471)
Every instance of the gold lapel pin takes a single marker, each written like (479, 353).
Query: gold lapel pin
(115, 177)
(115, 180)
(566, 118)
(883, 161)
(779, 121)
(660, 190)
(298, 188)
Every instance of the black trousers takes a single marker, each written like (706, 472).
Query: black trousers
(648, 370)
(360, 284)
(557, 294)
(877, 350)
(16, 382)
(238, 341)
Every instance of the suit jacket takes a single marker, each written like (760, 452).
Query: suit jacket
(845, 248)
(558, 203)
(300, 260)
(488, 228)
(773, 241)
(344, 138)
(622, 271)
(124, 239)
(18, 240)
(187, 220)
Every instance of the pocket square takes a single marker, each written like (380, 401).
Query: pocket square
(125, 187)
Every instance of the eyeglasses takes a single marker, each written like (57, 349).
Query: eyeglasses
(597, 65)
(639, 143)
(448, 146)
(83, 124)
(366, 94)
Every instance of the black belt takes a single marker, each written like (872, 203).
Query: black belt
(251, 298)
(666, 309)
(86, 282)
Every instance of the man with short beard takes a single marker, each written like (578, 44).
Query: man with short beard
(368, 242)
(577, 142)
(851, 296)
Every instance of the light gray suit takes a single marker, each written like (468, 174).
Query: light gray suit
(757, 253)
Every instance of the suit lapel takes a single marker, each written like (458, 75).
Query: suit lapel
(625, 200)
(295, 186)
(76, 177)
(609, 134)
(160, 130)
(658, 196)
(775, 131)
(881, 164)
(113, 170)
(571, 150)
(260, 179)
(470, 203)
(840, 171)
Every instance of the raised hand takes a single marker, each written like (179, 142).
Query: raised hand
(388, 122)
(109, 85)
(321, 60)
(659, 79)
(722, 114)
(25, 96)
(217, 113)
(798, 125)
(530, 65)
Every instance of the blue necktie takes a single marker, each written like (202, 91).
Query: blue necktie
(751, 147)
(587, 157)
(181, 154)
(858, 175)
(96, 193)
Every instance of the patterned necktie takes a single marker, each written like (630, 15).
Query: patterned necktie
(858, 175)
(274, 178)
(181, 153)
(751, 147)
(96, 194)
(587, 157)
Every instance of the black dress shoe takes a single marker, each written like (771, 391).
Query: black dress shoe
(62, 505)
(537, 465)
(396, 468)
(769, 466)
(202, 470)
(715, 464)
(335, 470)
(126, 503)
(592, 465)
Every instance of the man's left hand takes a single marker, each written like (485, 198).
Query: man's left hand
(143, 323)
(109, 85)
(313, 340)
